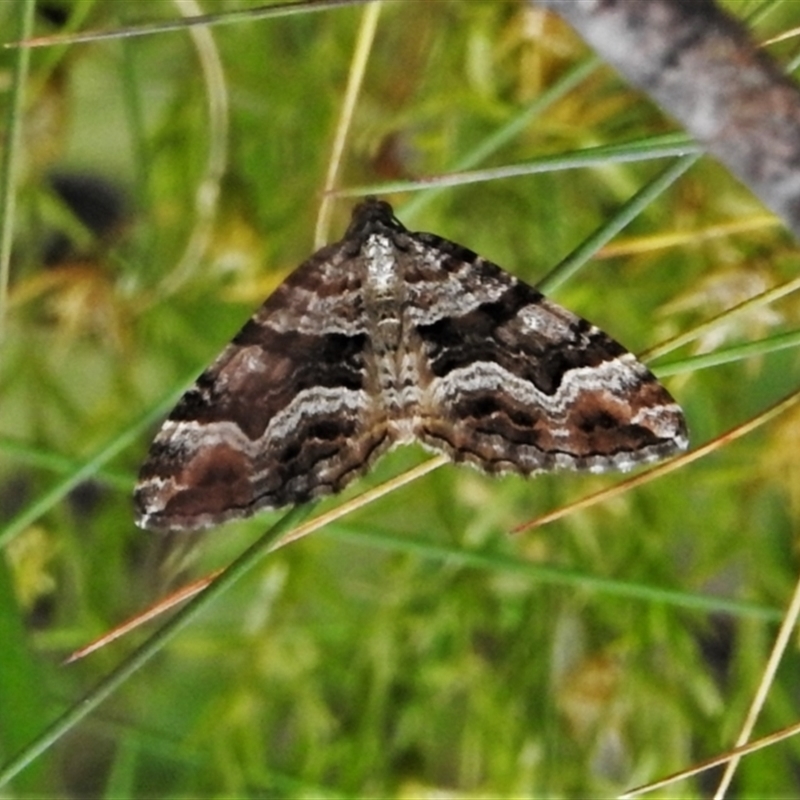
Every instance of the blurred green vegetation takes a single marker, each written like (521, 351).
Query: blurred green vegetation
(414, 649)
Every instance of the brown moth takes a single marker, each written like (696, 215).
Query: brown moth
(389, 337)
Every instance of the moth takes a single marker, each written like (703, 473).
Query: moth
(389, 337)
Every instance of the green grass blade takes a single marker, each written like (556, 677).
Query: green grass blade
(556, 575)
(25, 15)
(728, 355)
(666, 146)
(22, 706)
(629, 211)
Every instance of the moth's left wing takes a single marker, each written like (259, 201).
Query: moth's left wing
(284, 415)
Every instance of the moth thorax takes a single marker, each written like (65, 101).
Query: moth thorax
(383, 279)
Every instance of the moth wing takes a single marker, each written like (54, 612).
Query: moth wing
(282, 416)
(513, 382)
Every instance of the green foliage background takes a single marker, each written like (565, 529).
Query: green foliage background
(413, 649)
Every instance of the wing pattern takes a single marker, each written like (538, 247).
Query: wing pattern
(388, 337)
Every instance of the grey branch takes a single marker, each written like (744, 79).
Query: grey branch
(700, 65)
